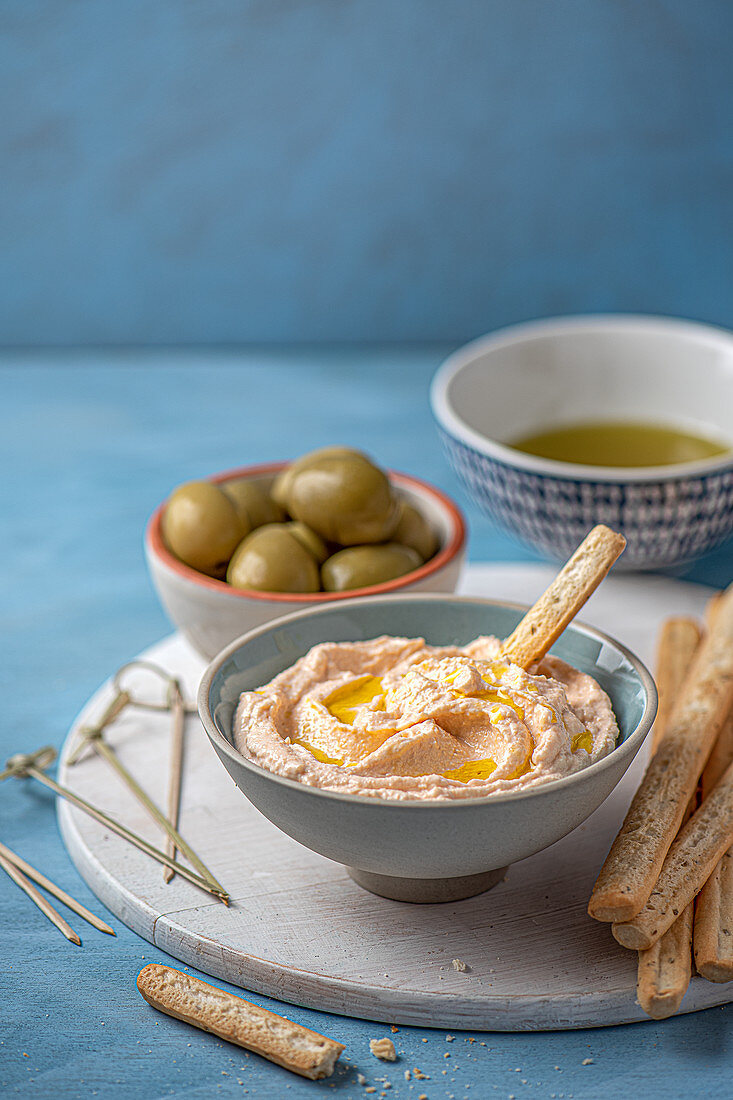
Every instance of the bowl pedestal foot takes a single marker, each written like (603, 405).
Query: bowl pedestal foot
(427, 890)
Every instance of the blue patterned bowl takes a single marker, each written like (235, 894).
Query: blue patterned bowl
(544, 374)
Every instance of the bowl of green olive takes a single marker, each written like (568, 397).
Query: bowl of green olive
(235, 550)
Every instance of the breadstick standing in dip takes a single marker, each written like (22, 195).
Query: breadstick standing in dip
(665, 969)
(289, 1045)
(689, 864)
(557, 607)
(635, 860)
(713, 936)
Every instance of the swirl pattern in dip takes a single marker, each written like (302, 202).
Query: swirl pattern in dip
(396, 718)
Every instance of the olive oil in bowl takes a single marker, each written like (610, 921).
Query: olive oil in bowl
(620, 443)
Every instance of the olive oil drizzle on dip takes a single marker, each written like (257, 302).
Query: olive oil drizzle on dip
(620, 443)
(396, 718)
(343, 703)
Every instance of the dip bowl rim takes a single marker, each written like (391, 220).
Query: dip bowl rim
(628, 747)
(453, 424)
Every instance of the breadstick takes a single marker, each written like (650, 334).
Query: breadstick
(665, 968)
(678, 640)
(720, 757)
(722, 752)
(713, 935)
(689, 864)
(573, 586)
(713, 607)
(236, 1020)
(635, 861)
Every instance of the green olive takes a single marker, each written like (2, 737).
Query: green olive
(252, 502)
(363, 566)
(201, 526)
(414, 530)
(281, 486)
(345, 499)
(271, 559)
(313, 543)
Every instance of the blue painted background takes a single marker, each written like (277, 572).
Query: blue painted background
(273, 170)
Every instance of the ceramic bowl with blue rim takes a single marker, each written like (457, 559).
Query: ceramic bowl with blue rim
(412, 850)
(545, 374)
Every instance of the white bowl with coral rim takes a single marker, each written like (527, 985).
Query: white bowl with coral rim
(211, 614)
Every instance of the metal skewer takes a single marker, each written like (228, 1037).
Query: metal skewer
(93, 736)
(178, 719)
(45, 906)
(24, 765)
(76, 906)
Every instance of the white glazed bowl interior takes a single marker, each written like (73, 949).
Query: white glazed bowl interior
(211, 614)
(413, 839)
(546, 374)
(549, 374)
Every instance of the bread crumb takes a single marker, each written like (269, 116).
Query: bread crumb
(393, 1029)
(458, 964)
(370, 1088)
(361, 1079)
(449, 1038)
(587, 1062)
(383, 1049)
(408, 1075)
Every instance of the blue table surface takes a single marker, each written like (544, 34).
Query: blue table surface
(91, 441)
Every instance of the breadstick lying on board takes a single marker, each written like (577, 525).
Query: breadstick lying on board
(678, 640)
(635, 860)
(664, 970)
(573, 586)
(236, 1020)
(689, 864)
(713, 935)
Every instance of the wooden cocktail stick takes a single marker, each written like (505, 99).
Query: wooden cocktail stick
(557, 607)
(28, 765)
(178, 720)
(113, 709)
(145, 704)
(93, 737)
(72, 903)
(45, 906)
(106, 752)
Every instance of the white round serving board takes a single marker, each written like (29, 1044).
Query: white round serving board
(301, 931)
